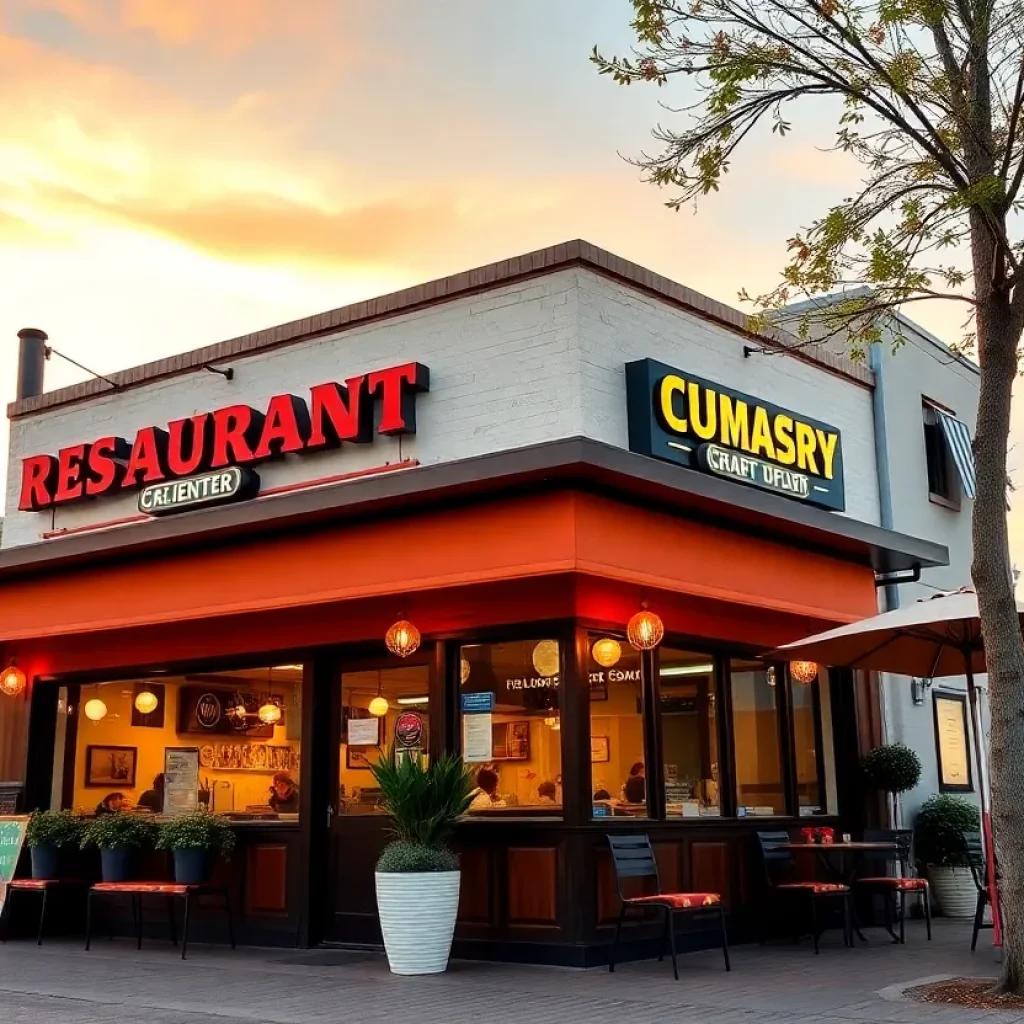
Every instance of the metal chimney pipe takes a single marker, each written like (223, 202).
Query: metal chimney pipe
(31, 360)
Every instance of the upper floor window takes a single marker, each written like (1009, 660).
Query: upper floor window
(950, 458)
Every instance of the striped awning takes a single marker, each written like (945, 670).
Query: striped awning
(958, 437)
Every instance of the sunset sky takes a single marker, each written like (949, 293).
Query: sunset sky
(177, 172)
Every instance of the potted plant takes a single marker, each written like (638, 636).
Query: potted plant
(119, 838)
(194, 839)
(938, 836)
(893, 768)
(48, 833)
(418, 874)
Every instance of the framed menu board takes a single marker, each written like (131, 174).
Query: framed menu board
(952, 743)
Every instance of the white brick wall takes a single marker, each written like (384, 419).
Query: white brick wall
(530, 362)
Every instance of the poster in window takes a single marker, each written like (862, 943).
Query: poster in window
(181, 779)
(952, 743)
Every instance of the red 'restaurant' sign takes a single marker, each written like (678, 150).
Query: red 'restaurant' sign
(237, 435)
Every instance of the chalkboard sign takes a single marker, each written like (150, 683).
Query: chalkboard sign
(12, 838)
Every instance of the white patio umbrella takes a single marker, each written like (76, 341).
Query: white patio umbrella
(931, 638)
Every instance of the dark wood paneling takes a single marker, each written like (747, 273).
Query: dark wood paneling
(670, 874)
(711, 869)
(476, 900)
(266, 887)
(532, 886)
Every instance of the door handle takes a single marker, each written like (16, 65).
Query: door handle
(330, 814)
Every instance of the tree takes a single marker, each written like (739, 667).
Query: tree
(927, 95)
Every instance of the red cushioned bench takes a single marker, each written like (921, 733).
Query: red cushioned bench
(42, 886)
(170, 890)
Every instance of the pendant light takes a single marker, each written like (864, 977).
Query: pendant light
(464, 671)
(270, 713)
(546, 659)
(803, 672)
(95, 710)
(146, 702)
(12, 680)
(606, 652)
(403, 638)
(379, 706)
(645, 630)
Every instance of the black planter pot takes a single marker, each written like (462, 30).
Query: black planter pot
(118, 865)
(192, 867)
(46, 861)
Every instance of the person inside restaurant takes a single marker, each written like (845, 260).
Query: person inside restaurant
(112, 803)
(153, 799)
(284, 794)
(634, 791)
(486, 796)
(547, 792)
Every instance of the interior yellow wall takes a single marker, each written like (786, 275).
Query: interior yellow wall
(249, 787)
(617, 719)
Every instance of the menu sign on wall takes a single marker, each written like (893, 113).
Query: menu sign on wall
(681, 418)
(181, 779)
(952, 744)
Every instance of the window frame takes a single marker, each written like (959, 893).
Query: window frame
(939, 464)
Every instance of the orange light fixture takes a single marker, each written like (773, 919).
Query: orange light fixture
(95, 710)
(464, 671)
(645, 630)
(403, 638)
(606, 652)
(13, 681)
(270, 713)
(803, 672)
(379, 706)
(546, 658)
(146, 702)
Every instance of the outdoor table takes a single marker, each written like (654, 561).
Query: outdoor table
(841, 861)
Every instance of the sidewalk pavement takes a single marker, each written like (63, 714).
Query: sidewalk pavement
(774, 984)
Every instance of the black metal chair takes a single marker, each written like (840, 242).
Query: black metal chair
(777, 859)
(897, 887)
(633, 857)
(979, 872)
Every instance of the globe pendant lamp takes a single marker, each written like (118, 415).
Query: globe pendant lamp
(146, 702)
(270, 713)
(403, 638)
(803, 672)
(545, 658)
(645, 630)
(379, 706)
(95, 710)
(463, 671)
(12, 681)
(606, 652)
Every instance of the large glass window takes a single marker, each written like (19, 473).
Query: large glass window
(755, 721)
(809, 730)
(227, 740)
(618, 770)
(689, 733)
(511, 726)
(381, 709)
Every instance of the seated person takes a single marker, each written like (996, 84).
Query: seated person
(602, 794)
(112, 803)
(153, 799)
(635, 790)
(284, 794)
(547, 793)
(486, 794)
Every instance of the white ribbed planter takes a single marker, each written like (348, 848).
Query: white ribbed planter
(417, 916)
(954, 890)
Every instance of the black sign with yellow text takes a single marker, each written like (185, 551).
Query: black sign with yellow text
(685, 419)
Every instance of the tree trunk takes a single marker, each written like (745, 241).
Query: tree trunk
(998, 336)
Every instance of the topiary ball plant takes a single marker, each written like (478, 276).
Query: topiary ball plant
(892, 768)
(401, 857)
(939, 828)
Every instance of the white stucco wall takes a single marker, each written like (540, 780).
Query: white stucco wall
(534, 361)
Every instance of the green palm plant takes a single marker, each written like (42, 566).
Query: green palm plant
(424, 803)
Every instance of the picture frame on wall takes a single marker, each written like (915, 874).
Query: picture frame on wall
(360, 758)
(111, 767)
(600, 749)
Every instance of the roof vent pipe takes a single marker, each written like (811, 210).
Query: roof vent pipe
(31, 359)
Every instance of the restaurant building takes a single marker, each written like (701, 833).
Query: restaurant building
(207, 559)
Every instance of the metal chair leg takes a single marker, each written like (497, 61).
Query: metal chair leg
(814, 924)
(618, 932)
(848, 921)
(902, 897)
(231, 924)
(139, 944)
(979, 917)
(725, 937)
(88, 920)
(928, 912)
(672, 943)
(5, 911)
(184, 934)
(42, 918)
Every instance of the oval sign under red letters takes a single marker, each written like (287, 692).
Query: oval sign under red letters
(409, 729)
